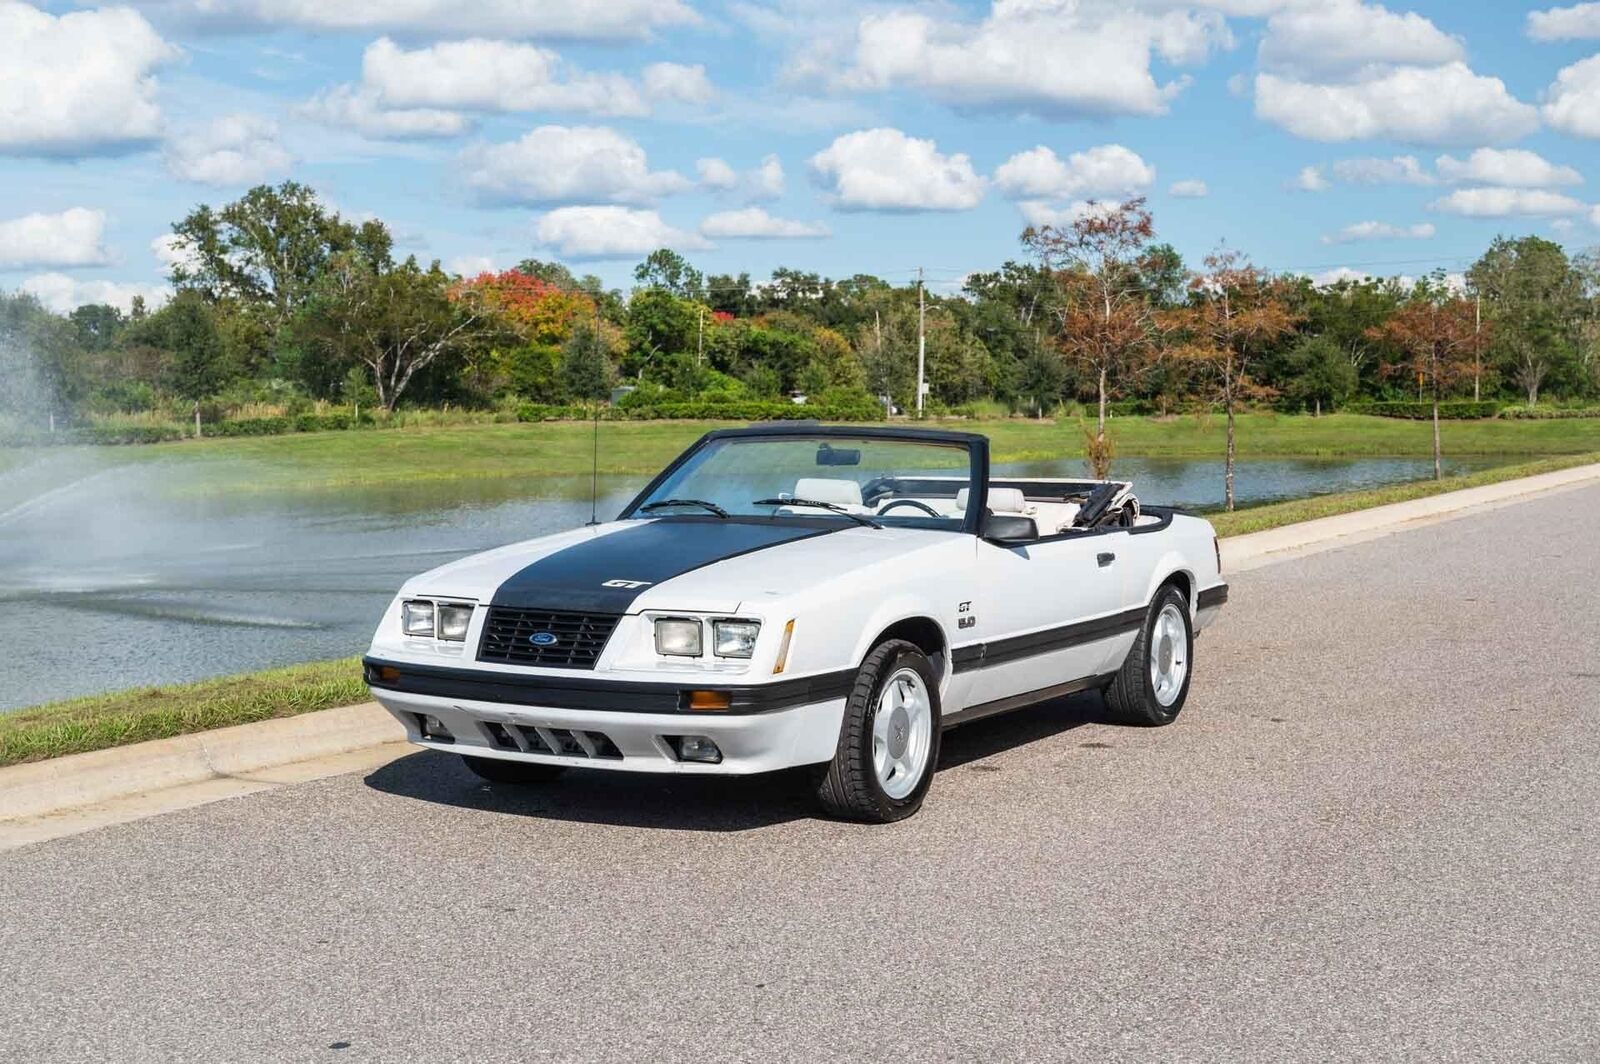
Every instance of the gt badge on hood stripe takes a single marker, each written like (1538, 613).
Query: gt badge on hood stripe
(584, 577)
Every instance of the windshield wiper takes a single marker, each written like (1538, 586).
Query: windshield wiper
(835, 507)
(664, 503)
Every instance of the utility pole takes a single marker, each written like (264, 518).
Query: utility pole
(700, 339)
(922, 340)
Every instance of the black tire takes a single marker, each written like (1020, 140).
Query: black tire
(499, 770)
(1131, 697)
(848, 785)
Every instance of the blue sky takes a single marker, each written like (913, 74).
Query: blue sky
(1316, 135)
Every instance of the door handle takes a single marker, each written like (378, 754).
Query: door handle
(1105, 558)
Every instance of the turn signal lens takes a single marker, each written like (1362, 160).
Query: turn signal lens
(709, 701)
(783, 649)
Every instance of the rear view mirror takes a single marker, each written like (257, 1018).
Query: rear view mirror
(1008, 529)
(838, 456)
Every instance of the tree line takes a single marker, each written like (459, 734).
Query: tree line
(279, 300)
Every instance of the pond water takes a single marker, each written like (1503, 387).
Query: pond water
(126, 575)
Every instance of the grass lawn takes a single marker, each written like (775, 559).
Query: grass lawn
(102, 721)
(398, 456)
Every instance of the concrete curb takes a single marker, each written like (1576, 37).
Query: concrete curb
(249, 753)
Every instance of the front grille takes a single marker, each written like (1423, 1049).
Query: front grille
(508, 635)
(557, 742)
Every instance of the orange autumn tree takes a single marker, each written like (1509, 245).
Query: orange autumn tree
(1097, 263)
(537, 311)
(1234, 311)
(1439, 336)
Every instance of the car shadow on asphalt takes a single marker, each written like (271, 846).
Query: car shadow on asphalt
(700, 803)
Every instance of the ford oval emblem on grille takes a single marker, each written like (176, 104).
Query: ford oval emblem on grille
(543, 639)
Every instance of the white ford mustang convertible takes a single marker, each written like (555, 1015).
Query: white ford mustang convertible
(800, 595)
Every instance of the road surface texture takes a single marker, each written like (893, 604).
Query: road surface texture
(1373, 835)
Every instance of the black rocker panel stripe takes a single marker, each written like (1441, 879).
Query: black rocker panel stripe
(574, 578)
(1014, 648)
(1212, 596)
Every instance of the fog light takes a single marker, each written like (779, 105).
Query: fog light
(433, 729)
(698, 748)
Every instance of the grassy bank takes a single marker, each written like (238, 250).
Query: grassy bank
(463, 452)
(117, 719)
(109, 720)
(1261, 518)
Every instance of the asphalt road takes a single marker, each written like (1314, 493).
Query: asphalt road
(1371, 836)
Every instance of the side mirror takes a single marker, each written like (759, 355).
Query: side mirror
(1008, 529)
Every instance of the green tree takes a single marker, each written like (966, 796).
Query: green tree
(1318, 374)
(666, 269)
(585, 366)
(187, 328)
(1534, 297)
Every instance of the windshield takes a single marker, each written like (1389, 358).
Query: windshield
(869, 480)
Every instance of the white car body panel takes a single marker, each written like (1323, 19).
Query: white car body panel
(1004, 624)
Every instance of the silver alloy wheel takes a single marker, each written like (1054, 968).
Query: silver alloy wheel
(1169, 654)
(902, 733)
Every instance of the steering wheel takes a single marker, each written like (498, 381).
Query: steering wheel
(924, 507)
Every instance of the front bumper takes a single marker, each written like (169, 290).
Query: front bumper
(621, 740)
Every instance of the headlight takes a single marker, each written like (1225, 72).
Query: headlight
(453, 621)
(678, 637)
(734, 639)
(416, 617)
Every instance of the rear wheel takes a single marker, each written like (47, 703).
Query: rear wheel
(889, 741)
(1153, 683)
(499, 770)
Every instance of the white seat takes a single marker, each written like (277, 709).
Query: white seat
(838, 491)
(1001, 501)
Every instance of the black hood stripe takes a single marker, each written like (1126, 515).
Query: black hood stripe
(576, 577)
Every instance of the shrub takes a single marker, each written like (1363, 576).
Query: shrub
(1549, 413)
(1455, 410)
(112, 434)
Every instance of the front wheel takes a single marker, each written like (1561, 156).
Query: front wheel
(500, 770)
(1153, 682)
(889, 741)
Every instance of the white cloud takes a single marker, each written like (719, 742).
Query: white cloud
(1576, 23)
(765, 182)
(1342, 273)
(351, 107)
(885, 170)
(1572, 103)
(1399, 170)
(677, 82)
(1512, 167)
(1056, 58)
(611, 232)
(1381, 231)
(568, 164)
(1443, 105)
(573, 19)
(1310, 179)
(716, 174)
(1040, 213)
(71, 238)
(1189, 189)
(171, 251)
(485, 75)
(64, 294)
(1506, 203)
(79, 83)
(1337, 38)
(1107, 170)
(470, 265)
(754, 223)
(1594, 216)
(237, 149)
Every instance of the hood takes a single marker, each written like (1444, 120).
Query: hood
(684, 563)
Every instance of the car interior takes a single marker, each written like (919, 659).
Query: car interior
(1053, 507)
